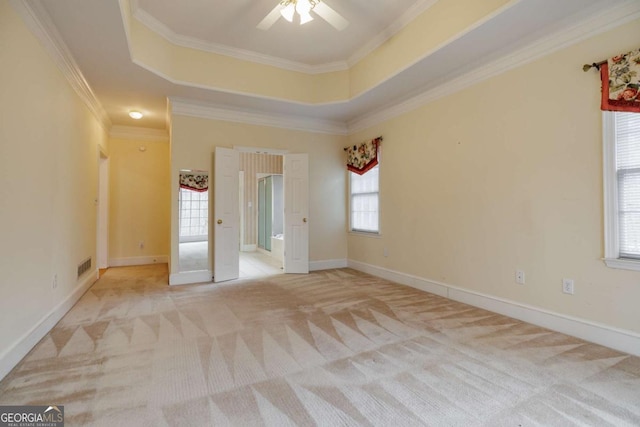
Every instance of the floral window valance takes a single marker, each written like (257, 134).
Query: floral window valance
(621, 82)
(194, 181)
(364, 156)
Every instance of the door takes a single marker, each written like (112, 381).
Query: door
(296, 213)
(226, 227)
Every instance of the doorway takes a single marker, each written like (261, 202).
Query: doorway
(226, 216)
(261, 213)
(102, 240)
(193, 221)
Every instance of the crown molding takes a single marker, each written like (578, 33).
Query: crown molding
(409, 15)
(39, 22)
(589, 26)
(186, 107)
(245, 55)
(139, 134)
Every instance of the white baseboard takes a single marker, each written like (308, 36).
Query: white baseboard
(327, 264)
(618, 339)
(138, 260)
(19, 349)
(402, 278)
(190, 277)
(249, 248)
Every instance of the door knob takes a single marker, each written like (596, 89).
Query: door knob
(219, 221)
(304, 219)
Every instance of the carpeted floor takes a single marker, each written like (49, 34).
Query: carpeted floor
(332, 348)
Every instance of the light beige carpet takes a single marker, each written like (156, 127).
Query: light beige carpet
(332, 348)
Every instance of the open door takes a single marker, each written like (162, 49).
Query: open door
(226, 227)
(296, 213)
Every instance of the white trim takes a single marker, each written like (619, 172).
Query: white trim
(171, 36)
(327, 264)
(139, 260)
(623, 263)
(185, 107)
(39, 22)
(610, 186)
(260, 150)
(372, 235)
(21, 347)
(242, 209)
(581, 30)
(190, 277)
(249, 248)
(409, 15)
(139, 134)
(619, 339)
(430, 286)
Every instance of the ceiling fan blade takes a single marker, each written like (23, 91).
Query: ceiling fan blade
(331, 16)
(271, 18)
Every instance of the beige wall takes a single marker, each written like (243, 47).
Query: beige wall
(507, 175)
(139, 208)
(252, 164)
(193, 141)
(441, 23)
(49, 144)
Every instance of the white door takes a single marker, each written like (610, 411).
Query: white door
(226, 219)
(296, 213)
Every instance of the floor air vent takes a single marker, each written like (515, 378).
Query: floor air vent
(84, 266)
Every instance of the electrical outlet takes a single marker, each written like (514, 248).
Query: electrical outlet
(567, 286)
(141, 244)
(520, 277)
(385, 252)
(54, 283)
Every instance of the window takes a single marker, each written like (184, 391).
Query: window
(622, 189)
(194, 215)
(364, 202)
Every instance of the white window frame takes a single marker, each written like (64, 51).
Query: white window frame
(611, 232)
(364, 232)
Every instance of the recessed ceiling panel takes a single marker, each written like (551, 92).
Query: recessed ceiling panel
(233, 24)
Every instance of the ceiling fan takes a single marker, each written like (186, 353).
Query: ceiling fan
(288, 8)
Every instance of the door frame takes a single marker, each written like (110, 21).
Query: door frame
(102, 214)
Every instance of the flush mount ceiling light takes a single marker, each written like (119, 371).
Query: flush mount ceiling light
(137, 115)
(287, 9)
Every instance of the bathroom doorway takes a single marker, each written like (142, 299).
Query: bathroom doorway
(261, 214)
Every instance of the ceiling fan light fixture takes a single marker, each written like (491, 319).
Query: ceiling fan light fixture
(305, 17)
(288, 11)
(303, 7)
